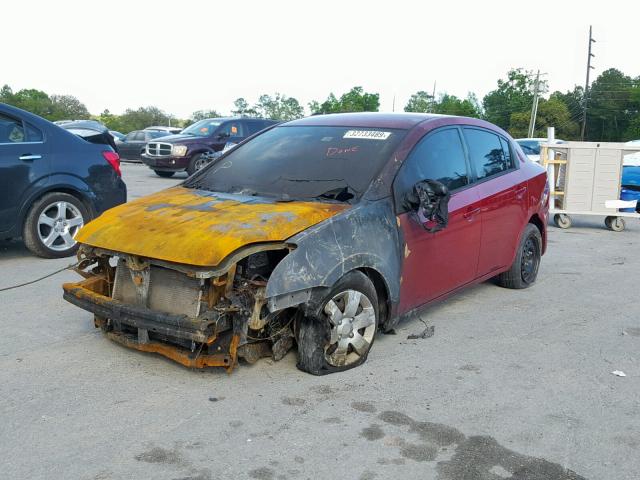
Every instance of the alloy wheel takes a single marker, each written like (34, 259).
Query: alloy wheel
(58, 224)
(200, 163)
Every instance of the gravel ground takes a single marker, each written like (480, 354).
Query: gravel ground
(514, 384)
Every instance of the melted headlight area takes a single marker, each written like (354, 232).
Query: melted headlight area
(196, 316)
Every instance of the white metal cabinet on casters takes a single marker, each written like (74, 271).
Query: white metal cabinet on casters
(584, 178)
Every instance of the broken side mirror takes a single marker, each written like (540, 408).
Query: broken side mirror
(429, 200)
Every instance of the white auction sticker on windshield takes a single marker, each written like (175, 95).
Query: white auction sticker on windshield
(367, 134)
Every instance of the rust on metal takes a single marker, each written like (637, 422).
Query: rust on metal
(177, 354)
(199, 228)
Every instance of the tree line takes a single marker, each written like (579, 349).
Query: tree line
(613, 107)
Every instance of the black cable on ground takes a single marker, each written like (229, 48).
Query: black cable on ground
(68, 267)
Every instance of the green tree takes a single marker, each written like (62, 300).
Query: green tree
(551, 113)
(54, 107)
(278, 107)
(6, 95)
(355, 100)
(452, 105)
(513, 95)
(31, 100)
(613, 106)
(420, 102)
(203, 114)
(68, 107)
(141, 118)
(242, 108)
(111, 121)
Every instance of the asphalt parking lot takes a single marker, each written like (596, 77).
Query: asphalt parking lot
(513, 384)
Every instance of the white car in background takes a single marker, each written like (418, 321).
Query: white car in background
(632, 159)
(531, 146)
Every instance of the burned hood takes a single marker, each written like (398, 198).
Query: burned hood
(197, 227)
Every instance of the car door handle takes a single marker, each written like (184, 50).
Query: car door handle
(520, 192)
(471, 212)
(28, 156)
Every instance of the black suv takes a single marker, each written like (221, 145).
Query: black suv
(197, 144)
(53, 181)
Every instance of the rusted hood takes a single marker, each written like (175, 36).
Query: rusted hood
(199, 228)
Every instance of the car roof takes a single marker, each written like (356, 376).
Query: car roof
(366, 119)
(538, 139)
(226, 119)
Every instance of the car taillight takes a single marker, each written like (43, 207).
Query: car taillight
(114, 160)
(545, 194)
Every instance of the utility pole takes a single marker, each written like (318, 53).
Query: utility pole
(586, 86)
(534, 106)
(433, 97)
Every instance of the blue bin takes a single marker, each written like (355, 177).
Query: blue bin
(628, 194)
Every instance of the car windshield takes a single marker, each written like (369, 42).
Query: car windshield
(530, 147)
(303, 162)
(203, 128)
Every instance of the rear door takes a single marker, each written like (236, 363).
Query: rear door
(503, 192)
(437, 263)
(23, 162)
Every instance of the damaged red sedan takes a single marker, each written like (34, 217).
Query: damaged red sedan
(317, 232)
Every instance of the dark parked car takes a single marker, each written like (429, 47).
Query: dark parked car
(196, 145)
(320, 231)
(52, 181)
(134, 143)
(117, 135)
(168, 130)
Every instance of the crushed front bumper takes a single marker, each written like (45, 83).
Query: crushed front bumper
(91, 295)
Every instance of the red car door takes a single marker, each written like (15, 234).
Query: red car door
(503, 194)
(437, 263)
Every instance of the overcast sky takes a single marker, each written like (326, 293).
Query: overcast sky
(189, 55)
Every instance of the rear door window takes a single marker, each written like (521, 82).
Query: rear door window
(486, 153)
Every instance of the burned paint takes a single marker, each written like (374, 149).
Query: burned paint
(363, 237)
(185, 226)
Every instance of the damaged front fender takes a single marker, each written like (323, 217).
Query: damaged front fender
(364, 237)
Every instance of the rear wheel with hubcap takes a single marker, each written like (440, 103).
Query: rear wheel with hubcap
(341, 336)
(52, 224)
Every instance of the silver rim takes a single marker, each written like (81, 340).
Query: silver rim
(58, 224)
(200, 163)
(353, 325)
